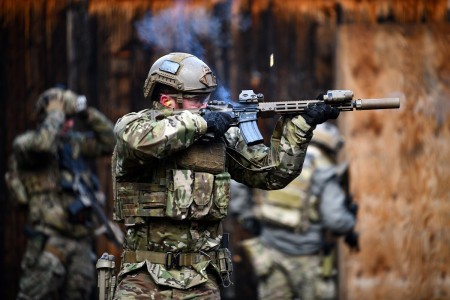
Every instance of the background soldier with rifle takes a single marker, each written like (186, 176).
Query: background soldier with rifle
(293, 256)
(50, 174)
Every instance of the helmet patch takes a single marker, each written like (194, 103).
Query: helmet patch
(170, 67)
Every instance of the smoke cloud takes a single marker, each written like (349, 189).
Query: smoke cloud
(180, 28)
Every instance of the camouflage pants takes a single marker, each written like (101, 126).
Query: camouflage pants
(140, 285)
(282, 276)
(56, 267)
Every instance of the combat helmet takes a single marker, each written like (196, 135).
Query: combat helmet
(184, 72)
(71, 101)
(328, 136)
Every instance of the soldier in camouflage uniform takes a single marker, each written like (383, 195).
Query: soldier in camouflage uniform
(172, 181)
(51, 164)
(288, 256)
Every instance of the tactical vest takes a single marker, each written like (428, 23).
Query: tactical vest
(294, 206)
(23, 185)
(193, 185)
(50, 195)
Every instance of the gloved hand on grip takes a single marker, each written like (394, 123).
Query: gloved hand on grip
(218, 123)
(319, 112)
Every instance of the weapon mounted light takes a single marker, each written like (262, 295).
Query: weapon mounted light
(338, 95)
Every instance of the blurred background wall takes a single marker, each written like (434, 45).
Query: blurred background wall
(399, 159)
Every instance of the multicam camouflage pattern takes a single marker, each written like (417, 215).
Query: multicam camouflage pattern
(140, 285)
(282, 276)
(196, 200)
(57, 265)
(36, 154)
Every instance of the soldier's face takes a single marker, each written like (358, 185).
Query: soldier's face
(193, 104)
(189, 101)
(68, 125)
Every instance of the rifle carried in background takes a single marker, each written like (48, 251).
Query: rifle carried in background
(88, 197)
(251, 106)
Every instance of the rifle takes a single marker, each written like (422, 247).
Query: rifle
(88, 199)
(251, 106)
(87, 196)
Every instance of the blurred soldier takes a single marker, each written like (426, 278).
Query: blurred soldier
(172, 181)
(54, 180)
(292, 257)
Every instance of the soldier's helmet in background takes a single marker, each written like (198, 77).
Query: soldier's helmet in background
(72, 101)
(328, 136)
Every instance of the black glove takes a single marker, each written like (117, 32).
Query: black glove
(218, 122)
(352, 240)
(319, 112)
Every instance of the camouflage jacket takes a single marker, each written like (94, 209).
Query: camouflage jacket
(38, 156)
(145, 146)
(158, 152)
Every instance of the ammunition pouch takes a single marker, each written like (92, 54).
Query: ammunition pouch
(186, 195)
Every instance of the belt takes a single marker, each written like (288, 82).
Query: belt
(169, 259)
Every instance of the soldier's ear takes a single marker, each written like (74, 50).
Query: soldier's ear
(167, 101)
